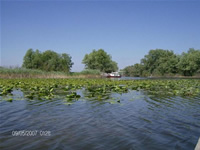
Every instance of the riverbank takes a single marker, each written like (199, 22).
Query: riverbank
(10, 73)
(177, 76)
(20, 76)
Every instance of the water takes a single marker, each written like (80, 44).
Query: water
(152, 78)
(138, 122)
(129, 78)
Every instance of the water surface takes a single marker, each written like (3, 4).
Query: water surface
(139, 122)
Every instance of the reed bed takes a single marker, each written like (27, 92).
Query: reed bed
(9, 73)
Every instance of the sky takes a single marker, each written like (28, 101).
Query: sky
(126, 30)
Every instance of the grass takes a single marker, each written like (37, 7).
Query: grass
(86, 72)
(33, 73)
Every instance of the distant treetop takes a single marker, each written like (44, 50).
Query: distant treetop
(99, 60)
(47, 61)
(161, 62)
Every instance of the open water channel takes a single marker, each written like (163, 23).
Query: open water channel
(138, 122)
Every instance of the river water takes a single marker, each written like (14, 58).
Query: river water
(138, 122)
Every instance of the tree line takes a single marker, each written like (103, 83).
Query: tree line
(157, 62)
(161, 62)
(52, 61)
(100, 60)
(47, 61)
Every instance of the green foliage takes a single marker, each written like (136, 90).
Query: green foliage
(36, 73)
(9, 71)
(47, 61)
(189, 63)
(129, 71)
(89, 71)
(161, 62)
(26, 73)
(135, 70)
(28, 59)
(99, 60)
(71, 90)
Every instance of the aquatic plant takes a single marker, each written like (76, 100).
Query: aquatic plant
(100, 89)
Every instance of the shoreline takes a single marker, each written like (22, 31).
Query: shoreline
(23, 76)
(62, 76)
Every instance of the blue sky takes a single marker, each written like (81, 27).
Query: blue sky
(126, 30)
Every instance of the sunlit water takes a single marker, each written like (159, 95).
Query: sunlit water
(138, 122)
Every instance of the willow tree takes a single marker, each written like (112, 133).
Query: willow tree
(189, 63)
(47, 61)
(99, 60)
(28, 59)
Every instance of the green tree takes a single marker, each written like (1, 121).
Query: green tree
(164, 62)
(47, 61)
(189, 63)
(99, 60)
(37, 60)
(160, 62)
(167, 64)
(50, 60)
(66, 62)
(28, 59)
(135, 70)
(128, 71)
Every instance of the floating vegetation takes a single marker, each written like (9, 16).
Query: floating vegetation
(99, 89)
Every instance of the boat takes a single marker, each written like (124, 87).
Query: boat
(198, 145)
(113, 75)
